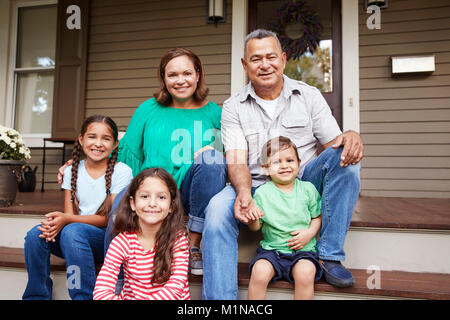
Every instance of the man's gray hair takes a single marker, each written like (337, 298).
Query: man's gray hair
(260, 34)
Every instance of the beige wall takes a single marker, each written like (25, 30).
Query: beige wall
(127, 39)
(405, 121)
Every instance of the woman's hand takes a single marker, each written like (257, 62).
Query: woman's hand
(51, 228)
(61, 171)
(242, 206)
(201, 150)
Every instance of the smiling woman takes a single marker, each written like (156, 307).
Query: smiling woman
(182, 80)
(179, 130)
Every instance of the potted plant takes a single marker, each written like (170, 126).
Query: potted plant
(13, 152)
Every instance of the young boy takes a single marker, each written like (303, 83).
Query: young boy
(288, 211)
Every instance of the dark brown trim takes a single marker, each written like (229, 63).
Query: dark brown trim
(334, 99)
(70, 71)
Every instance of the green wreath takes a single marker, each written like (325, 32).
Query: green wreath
(297, 11)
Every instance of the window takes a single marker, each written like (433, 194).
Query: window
(34, 66)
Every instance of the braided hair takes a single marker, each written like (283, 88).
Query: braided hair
(77, 152)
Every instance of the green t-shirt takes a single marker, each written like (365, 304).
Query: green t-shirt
(161, 136)
(285, 213)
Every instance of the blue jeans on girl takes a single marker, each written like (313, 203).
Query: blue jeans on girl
(339, 188)
(80, 244)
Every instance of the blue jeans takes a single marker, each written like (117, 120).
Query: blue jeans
(204, 179)
(80, 244)
(339, 188)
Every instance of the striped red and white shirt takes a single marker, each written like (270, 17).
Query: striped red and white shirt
(138, 271)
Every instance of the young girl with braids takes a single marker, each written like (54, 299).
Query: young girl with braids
(151, 243)
(77, 234)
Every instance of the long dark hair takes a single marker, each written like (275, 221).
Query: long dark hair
(77, 153)
(171, 228)
(201, 92)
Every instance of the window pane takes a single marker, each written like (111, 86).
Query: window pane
(34, 101)
(36, 36)
(314, 69)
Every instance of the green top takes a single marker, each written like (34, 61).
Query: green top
(284, 213)
(161, 136)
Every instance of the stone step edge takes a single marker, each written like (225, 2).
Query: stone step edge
(400, 284)
(354, 225)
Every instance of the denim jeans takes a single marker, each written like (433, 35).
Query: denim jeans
(204, 179)
(80, 244)
(339, 188)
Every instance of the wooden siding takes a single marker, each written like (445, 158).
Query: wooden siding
(405, 120)
(127, 39)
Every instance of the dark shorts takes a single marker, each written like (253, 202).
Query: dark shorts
(284, 262)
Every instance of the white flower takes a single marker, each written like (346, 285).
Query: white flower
(13, 147)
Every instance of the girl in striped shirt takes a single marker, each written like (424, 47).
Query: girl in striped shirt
(151, 243)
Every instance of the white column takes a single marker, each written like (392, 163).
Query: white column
(238, 33)
(350, 65)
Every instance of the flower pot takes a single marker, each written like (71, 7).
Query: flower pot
(9, 180)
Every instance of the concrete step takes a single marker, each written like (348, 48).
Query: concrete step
(375, 285)
(387, 249)
(366, 247)
(14, 227)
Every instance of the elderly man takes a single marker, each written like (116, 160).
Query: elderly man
(272, 105)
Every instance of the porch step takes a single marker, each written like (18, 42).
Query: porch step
(385, 233)
(382, 285)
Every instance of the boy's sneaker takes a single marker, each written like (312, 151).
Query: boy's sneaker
(195, 261)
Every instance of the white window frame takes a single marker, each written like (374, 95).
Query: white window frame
(34, 140)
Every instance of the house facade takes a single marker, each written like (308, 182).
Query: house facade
(55, 70)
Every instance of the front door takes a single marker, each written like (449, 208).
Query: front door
(322, 68)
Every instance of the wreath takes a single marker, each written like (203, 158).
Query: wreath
(297, 11)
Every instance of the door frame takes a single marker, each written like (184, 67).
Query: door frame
(334, 99)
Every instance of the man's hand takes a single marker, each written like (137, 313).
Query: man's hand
(253, 217)
(353, 150)
(242, 206)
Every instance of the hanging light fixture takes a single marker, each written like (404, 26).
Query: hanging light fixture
(216, 11)
(380, 3)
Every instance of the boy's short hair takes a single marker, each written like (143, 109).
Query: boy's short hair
(275, 145)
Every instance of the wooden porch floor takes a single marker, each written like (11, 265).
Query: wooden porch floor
(381, 212)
